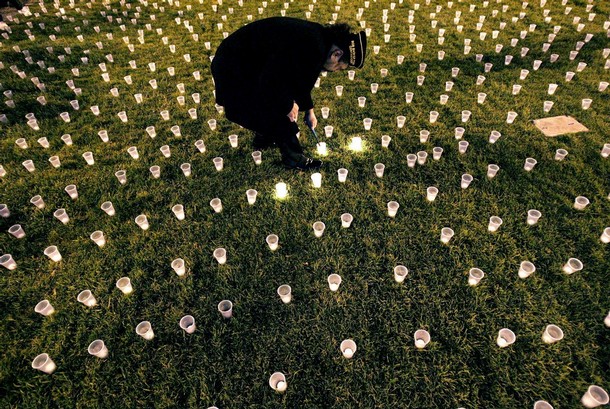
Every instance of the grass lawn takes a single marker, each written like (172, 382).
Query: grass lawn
(227, 362)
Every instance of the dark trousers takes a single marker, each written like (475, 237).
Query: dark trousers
(270, 126)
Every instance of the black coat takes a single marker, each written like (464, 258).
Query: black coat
(265, 66)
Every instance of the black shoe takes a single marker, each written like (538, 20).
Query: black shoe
(302, 163)
(260, 142)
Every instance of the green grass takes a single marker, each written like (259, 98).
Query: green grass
(227, 363)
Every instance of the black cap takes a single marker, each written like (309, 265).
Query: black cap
(357, 49)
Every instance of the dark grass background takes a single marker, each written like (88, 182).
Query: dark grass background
(227, 363)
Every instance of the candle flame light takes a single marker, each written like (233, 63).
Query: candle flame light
(356, 144)
(281, 190)
(322, 149)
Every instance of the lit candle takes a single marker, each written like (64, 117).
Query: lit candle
(348, 353)
(356, 144)
(316, 179)
(322, 150)
(281, 386)
(281, 190)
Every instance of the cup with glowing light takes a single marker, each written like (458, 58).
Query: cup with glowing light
(225, 307)
(572, 266)
(348, 348)
(393, 208)
(494, 223)
(346, 220)
(124, 284)
(552, 334)
(532, 216)
(53, 253)
(342, 174)
(475, 275)
(466, 180)
(560, 154)
(45, 308)
(44, 363)
(281, 190)
(98, 349)
(142, 221)
(251, 196)
(145, 330)
(220, 254)
(277, 382)
(98, 238)
(187, 323)
(367, 122)
(218, 163)
(505, 338)
(594, 397)
(400, 121)
(581, 202)
(334, 281)
(285, 293)
(17, 231)
(446, 234)
(318, 229)
(526, 269)
(8, 262)
(86, 298)
(400, 273)
(385, 141)
(421, 338)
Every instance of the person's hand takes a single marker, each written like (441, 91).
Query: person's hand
(293, 115)
(310, 119)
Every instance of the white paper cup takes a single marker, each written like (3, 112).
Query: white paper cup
(505, 338)
(145, 330)
(594, 397)
(220, 254)
(273, 241)
(124, 284)
(87, 298)
(475, 275)
(572, 266)
(552, 334)
(187, 323)
(526, 269)
(400, 273)
(225, 308)
(98, 348)
(334, 281)
(421, 338)
(346, 220)
(318, 228)
(44, 363)
(277, 382)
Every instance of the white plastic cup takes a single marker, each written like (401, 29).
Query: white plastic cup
(7, 261)
(272, 241)
(446, 234)
(605, 237)
(466, 180)
(106, 207)
(145, 330)
(542, 404)
(411, 160)
(225, 307)
(17, 231)
(55, 162)
(529, 164)
(400, 273)
(339, 90)
(532, 216)
(572, 266)
(431, 193)
(437, 152)
(346, 220)
(459, 132)
(98, 238)
(233, 141)
(424, 134)
(98, 348)
(142, 221)
(594, 397)
(526, 269)
(71, 191)
(124, 284)
(560, 154)
(492, 170)
(179, 267)
(510, 117)
(133, 152)
(52, 253)
(466, 115)
(334, 281)
(433, 116)
(385, 141)
(251, 196)
(4, 211)
(220, 254)
(187, 323)
(367, 122)
(277, 382)
(463, 147)
(178, 211)
(605, 150)
(421, 338)
(44, 363)
(318, 228)
(361, 102)
(475, 275)
(218, 163)
(379, 169)
(37, 201)
(212, 124)
(155, 171)
(285, 293)
(45, 308)
(342, 175)
(316, 180)
(393, 208)
(29, 165)
(200, 145)
(581, 202)
(86, 297)
(348, 348)
(328, 131)
(325, 112)
(552, 333)
(216, 204)
(494, 223)
(505, 338)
